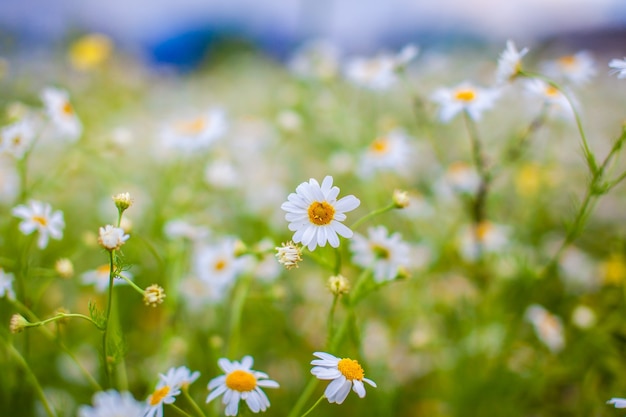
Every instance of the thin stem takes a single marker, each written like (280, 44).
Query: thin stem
(331, 318)
(306, 394)
(372, 214)
(195, 406)
(179, 410)
(20, 359)
(236, 313)
(107, 370)
(479, 162)
(60, 316)
(314, 405)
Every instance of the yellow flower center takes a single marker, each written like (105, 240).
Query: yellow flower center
(220, 265)
(551, 91)
(351, 369)
(192, 127)
(465, 95)
(41, 220)
(158, 395)
(380, 145)
(17, 140)
(568, 60)
(103, 270)
(321, 213)
(241, 381)
(380, 252)
(482, 230)
(67, 109)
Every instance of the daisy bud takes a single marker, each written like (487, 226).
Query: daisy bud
(18, 323)
(64, 267)
(400, 199)
(338, 284)
(240, 248)
(112, 238)
(122, 201)
(289, 254)
(153, 295)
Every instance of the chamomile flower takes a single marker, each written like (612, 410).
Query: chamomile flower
(390, 152)
(6, 284)
(240, 382)
(168, 388)
(618, 66)
(548, 327)
(464, 97)
(17, 138)
(217, 266)
(550, 95)
(578, 68)
(61, 113)
(345, 373)
(617, 402)
(509, 63)
(385, 254)
(315, 214)
(38, 216)
(289, 254)
(377, 73)
(111, 237)
(485, 237)
(113, 403)
(195, 134)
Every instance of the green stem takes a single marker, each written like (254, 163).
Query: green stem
(60, 316)
(304, 397)
(195, 406)
(331, 319)
(179, 410)
(313, 406)
(368, 216)
(107, 370)
(236, 314)
(20, 359)
(480, 199)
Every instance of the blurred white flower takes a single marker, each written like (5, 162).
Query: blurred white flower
(217, 266)
(99, 278)
(462, 178)
(584, 317)
(577, 69)
(377, 73)
(6, 285)
(617, 402)
(17, 138)
(548, 327)
(317, 59)
(315, 214)
(39, 216)
(112, 403)
(61, 113)
(618, 66)
(549, 95)
(240, 382)
(464, 97)
(385, 254)
(195, 134)
(344, 374)
(391, 152)
(486, 237)
(509, 63)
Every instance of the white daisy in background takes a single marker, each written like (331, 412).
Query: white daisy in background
(317, 59)
(461, 178)
(578, 271)
(240, 382)
(6, 285)
(377, 73)
(195, 134)
(222, 173)
(407, 54)
(315, 214)
(61, 113)
(509, 63)
(385, 254)
(167, 389)
(111, 237)
(38, 216)
(99, 278)
(464, 97)
(618, 66)
(345, 373)
(486, 237)
(617, 402)
(9, 180)
(183, 229)
(217, 266)
(112, 403)
(181, 376)
(584, 317)
(391, 152)
(577, 69)
(549, 95)
(17, 138)
(548, 327)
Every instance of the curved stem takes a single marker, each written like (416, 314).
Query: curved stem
(314, 405)
(306, 393)
(372, 214)
(195, 406)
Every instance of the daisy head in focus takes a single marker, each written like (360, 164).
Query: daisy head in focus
(38, 216)
(385, 254)
(240, 382)
(577, 69)
(618, 67)
(113, 403)
(548, 327)
(465, 97)
(61, 113)
(315, 214)
(168, 388)
(344, 374)
(509, 63)
(195, 134)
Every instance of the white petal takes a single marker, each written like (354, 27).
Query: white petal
(369, 381)
(343, 392)
(347, 203)
(357, 386)
(325, 373)
(253, 402)
(267, 383)
(214, 394)
(341, 229)
(327, 356)
(335, 386)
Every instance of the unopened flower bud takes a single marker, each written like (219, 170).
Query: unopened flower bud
(64, 267)
(338, 284)
(122, 201)
(153, 295)
(18, 323)
(400, 199)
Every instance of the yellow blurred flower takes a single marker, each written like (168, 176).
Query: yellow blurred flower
(613, 269)
(528, 180)
(90, 51)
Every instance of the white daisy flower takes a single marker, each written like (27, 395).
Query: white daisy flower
(548, 327)
(377, 73)
(578, 68)
(289, 254)
(486, 237)
(464, 97)
(6, 284)
(345, 374)
(111, 237)
(240, 382)
(217, 266)
(318, 59)
(168, 388)
(315, 215)
(99, 278)
(509, 63)
(550, 95)
(112, 403)
(617, 402)
(390, 152)
(195, 134)
(462, 178)
(39, 216)
(61, 113)
(406, 55)
(618, 66)
(382, 252)
(17, 138)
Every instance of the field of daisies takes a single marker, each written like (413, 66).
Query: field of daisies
(407, 233)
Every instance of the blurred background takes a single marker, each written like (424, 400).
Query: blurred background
(183, 32)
